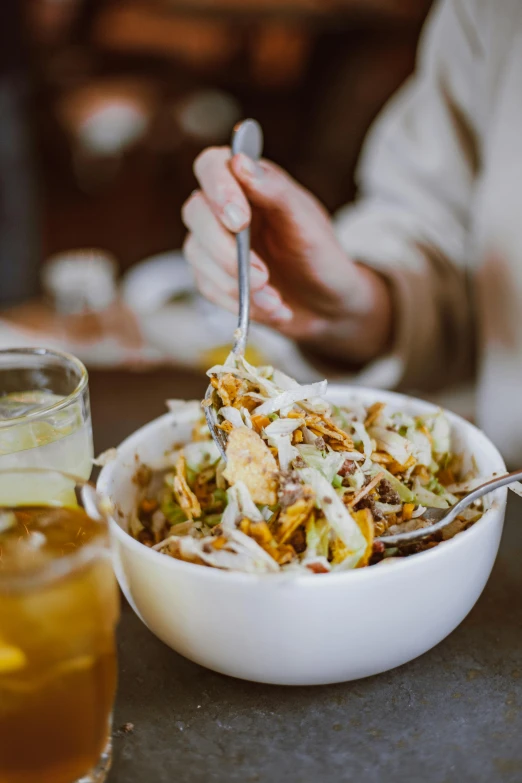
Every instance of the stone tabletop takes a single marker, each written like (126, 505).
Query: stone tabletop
(452, 716)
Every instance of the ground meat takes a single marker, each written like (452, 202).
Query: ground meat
(298, 540)
(299, 462)
(146, 537)
(320, 444)
(387, 494)
(369, 502)
(290, 489)
(348, 468)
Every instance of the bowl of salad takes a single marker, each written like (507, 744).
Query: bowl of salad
(273, 566)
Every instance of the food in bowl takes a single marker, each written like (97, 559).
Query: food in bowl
(307, 486)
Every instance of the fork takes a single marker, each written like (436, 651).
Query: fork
(441, 517)
(247, 137)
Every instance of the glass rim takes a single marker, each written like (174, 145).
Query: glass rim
(66, 358)
(56, 568)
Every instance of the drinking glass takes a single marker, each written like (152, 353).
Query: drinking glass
(45, 417)
(59, 606)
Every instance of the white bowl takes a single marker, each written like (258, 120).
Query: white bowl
(304, 630)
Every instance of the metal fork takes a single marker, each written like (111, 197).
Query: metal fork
(247, 138)
(442, 517)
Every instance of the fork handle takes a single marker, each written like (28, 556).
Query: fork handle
(247, 138)
(477, 493)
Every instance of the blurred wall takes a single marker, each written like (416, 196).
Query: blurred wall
(126, 93)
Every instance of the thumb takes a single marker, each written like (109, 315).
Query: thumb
(269, 187)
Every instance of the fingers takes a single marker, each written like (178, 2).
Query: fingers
(219, 245)
(221, 288)
(267, 185)
(221, 188)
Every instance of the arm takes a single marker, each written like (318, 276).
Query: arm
(417, 179)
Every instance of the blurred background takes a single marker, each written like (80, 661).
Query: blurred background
(105, 104)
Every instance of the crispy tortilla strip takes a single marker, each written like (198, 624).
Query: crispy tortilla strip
(422, 472)
(395, 467)
(293, 516)
(226, 426)
(374, 411)
(228, 387)
(364, 519)
(366, 490)
(204, 487)
(249, 460)
(283, 554)
(184, 495)
(246, 402)
(262, 535)
(321, 425)
(382, 458)
(338, 551)
(297, 437)
(337, 445)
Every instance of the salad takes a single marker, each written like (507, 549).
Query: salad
(307, 486)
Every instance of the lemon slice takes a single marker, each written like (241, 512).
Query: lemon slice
(79, 664)
(12, 659)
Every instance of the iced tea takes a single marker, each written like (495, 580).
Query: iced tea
(58, 610)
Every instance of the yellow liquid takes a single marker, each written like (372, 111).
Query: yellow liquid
(61, 439)
(219, 354)
(57, 649)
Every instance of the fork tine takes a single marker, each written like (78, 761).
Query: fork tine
(212, 421)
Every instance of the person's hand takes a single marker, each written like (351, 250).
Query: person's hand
(302, 281)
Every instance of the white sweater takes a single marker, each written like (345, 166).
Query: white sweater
(440, 213)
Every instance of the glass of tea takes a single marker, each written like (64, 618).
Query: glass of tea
(45, 417)
(59, 606)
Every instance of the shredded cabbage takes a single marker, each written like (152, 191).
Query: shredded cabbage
(421, 446)
(327, 463)
(291, 397)
(283, 427)
(232, 415)
(405, 494)
(285, 451)
(392, 443)
(361, 436)
(335, 511)
(201, 454)
(440, 432)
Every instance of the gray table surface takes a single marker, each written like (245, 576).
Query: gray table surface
(452, 716)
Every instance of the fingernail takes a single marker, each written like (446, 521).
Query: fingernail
(267, 300)
(234, 217)
(283, 313)
(257, 276)
(249, 166)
